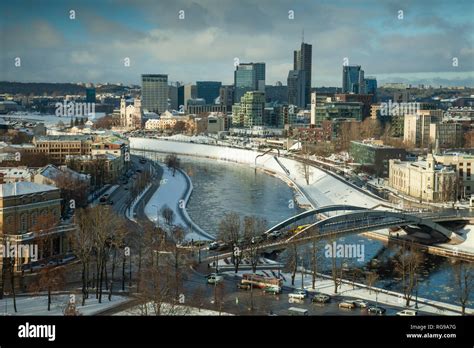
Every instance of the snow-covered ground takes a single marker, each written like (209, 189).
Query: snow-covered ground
(322, 190)
(38, 305)
(167, 309)
(174, 192)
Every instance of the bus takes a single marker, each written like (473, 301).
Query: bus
(260, 281)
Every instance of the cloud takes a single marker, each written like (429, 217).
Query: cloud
(202, 46)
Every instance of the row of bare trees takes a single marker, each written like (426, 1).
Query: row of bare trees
(243, 236)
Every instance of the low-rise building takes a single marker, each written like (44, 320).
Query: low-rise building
(15, 174)
(30, 213)
(464, 165)
(103, 168)
(424, 180)
(375, 156)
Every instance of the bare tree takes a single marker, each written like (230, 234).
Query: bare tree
(464, 281)
(82, 242)
(292, 262)
(50, 279)
(229, 232)
(407, 264)
(254, 227)
(173, 162)
(168, 215)
(371, 278)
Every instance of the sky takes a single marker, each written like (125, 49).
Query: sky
(430, 41)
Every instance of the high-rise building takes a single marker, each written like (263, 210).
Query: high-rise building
(190, 92)
(371, 87)
(302, 60)
(173, 97)
(226, 96)
(353, 79)
(296, 88)
(208, 90)
(181, 97)
(416, 128)
(249, 112)
(155, 92)
(276, 94)
(248, 77)
(90, 95)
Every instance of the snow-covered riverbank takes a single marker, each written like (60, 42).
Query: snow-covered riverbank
(174, 192)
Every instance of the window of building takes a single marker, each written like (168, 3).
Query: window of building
(23, 223)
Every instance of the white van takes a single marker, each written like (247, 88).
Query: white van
(297, 311)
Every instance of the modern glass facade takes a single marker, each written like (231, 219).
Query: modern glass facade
(208, 90)
(155, 93)
(248, 77)
(353, 79)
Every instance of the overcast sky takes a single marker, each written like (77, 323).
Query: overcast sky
(92, 47)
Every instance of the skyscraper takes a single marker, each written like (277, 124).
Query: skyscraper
(297, 88)
(353, 79)
(248, 77)
(302, 60)
(155, 93)
(190, 92)
(208, 90)
(371, 87)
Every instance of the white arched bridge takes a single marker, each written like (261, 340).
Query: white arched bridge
(354, 219)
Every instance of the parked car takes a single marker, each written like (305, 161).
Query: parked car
(214, 278)
(298, 294)
(361, 303)
(407, 312)
(274, 290)
(347, 304)
(377, 310)
(321, 298)
(243, 286)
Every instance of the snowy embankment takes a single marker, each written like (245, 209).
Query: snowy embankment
(322, 189)
(174, 192)
(38, 305)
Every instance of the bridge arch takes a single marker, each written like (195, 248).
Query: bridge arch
(366, 220)
(320, 210)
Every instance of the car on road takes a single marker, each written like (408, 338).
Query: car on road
(214, 278)
(298, 294)
(361, 303)
(376, 310)
(243, 286)
(321, 298)
(297, 311)
(407, 313)
(347, 304)
(274, 290)
(214, 246)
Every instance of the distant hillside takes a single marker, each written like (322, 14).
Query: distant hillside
(53, 89)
